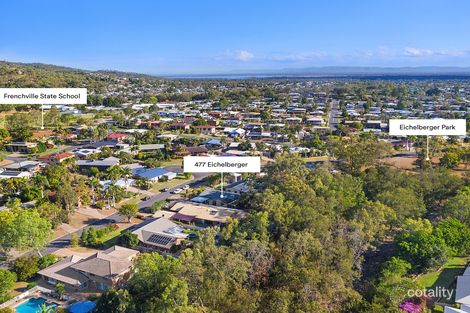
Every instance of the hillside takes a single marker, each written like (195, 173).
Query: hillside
(35, 75)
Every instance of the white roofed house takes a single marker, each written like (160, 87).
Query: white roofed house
(462, 294)
(159, 235)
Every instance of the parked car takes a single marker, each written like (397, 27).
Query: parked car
(165, 190)
(185, 187)
(176, 191)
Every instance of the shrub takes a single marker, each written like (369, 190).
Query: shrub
(26, 267)
(31, 285)
(7, 281)
(128, 239)
(47, 260)
(100, 204)
(74, 240)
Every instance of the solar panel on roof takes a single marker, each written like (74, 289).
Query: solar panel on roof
(160, 240)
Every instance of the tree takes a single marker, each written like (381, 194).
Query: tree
(157, 206)
(26, 230)
(152, 163)
(19, 125)
(128, 239)
(392, 287)
(47, 260)
(126, 172)
(52, 212)
(74, 240)
(450, 159)
(244, 146)
(129, 210)
(46, 308)
(424, 250)
(116, 301)
(7, 281)
(60, 290)
(458, 206)
(55, 174)
(405, 202)
(357, 155)
(25, 267)
(155, 284)
(455, 234)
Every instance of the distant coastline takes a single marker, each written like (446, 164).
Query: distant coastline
(436, 76)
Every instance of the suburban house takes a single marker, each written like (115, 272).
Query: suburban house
(151, 147)
(84, 153)
(24, 166)
(202, 215)
(153, 174)
(180, 126)
(99, 164)
(159, 234)
(238, 187)
(213, 144)
(100, 271)
(57, 157)
(21, 147)
(117, 137)
(214, 197)
(193, 151)
(14, 174)
(315, 121)
(205, 129)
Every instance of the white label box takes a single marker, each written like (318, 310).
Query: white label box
(428, 127)
(221, 164)
(43, 95)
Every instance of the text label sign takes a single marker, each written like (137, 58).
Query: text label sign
(216, 164)
(427, 127)
(43, 95)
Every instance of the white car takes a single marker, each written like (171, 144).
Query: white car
(185, 187)
(176, 191)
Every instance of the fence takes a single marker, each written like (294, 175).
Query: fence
(23, 295)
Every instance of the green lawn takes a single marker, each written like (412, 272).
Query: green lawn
(446, 276)
(169, 184)
(172, 162)
(111, 238)
(134, 200)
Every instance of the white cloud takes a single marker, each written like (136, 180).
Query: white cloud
(419, 53)
(243, 55)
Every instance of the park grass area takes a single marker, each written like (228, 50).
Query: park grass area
(446, 276)
(316, 158)
(172, 162)
(170, 183)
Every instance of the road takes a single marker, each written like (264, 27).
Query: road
(333, 119)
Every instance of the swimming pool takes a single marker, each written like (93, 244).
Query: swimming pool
(33, 305)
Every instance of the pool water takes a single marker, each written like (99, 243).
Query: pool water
(33, 305)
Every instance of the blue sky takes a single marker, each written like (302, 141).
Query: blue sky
(202, 36)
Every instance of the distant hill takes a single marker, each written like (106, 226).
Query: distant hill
(35, 75)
